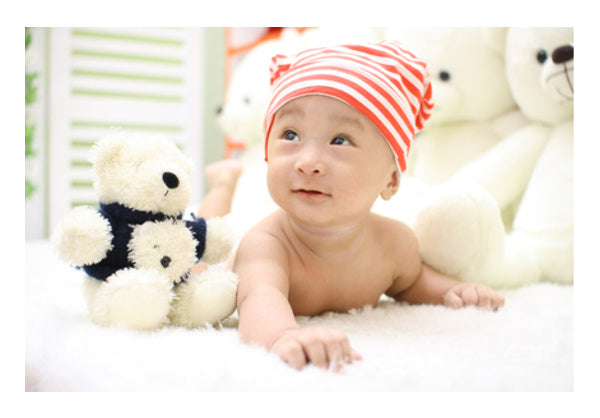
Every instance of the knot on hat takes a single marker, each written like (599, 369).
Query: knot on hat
(384, 81)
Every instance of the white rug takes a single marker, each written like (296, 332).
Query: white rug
(526, 346)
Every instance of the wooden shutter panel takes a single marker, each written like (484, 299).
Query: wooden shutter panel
(139, 80)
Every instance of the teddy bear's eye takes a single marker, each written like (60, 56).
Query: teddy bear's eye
(247, 100)
(541, 56)
(444, 75)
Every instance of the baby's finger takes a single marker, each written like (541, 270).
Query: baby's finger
(335, 356)
(485, 299)
(347, 351)
(292, 353)
(469, 295)
(335, 353)
(316, 354)
(497, 301)
(355, 355)
(452, 300)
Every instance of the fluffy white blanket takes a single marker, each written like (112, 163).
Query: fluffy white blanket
(526, 346)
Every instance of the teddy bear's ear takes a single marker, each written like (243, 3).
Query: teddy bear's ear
(107, 151)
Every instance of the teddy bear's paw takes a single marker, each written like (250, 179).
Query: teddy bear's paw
(205, 299)
(460, 231)
(82, 237)
(219, 241)
(131, 298)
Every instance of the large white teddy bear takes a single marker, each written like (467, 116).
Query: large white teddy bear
(459, 225)
(473, 105)
(473, 111)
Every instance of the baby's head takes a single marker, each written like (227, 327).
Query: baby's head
(383, 81)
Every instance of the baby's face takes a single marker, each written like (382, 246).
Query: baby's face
(327, 161)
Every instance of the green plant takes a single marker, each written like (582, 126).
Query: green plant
(30, 97)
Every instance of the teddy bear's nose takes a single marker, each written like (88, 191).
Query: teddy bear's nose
(170, 180)
(165, 261)
(562, 54)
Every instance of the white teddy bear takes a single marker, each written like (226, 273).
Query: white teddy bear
(473, 105)
(137, 250)
(473, 109)
(249, 88)
(459, 226)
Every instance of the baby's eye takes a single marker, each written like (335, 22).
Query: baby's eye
(340, 140)
(290, 135)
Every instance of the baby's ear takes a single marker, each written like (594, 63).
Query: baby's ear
(392, 185)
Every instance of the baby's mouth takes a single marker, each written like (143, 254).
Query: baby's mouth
(310, 192)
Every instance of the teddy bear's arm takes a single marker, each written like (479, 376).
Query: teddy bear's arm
(215, 239)
(505, 169)
(219, 241)
(197, 227)
(83, 237)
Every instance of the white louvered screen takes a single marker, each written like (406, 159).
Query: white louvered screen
(142, 80)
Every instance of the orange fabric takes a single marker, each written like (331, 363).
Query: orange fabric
(384, 81)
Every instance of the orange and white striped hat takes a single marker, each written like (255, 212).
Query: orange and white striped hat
(384, 81)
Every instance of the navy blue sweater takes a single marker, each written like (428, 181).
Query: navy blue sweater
(122, 220)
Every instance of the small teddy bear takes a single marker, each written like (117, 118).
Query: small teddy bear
(137, 250)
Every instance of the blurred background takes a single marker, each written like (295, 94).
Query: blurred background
(82, 82)
(206, 88)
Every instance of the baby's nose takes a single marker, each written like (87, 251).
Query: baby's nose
(307, 167)
(310, 161)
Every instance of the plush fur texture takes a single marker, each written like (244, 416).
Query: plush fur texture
(137, 244)
(474, 108)
(526, 346)
(84, 226)
(146, 160)
(531, 168)
(166, 246)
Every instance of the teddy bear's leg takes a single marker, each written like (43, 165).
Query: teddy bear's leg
(132, 298)
(205, 299)
(460, 230)
(461, 233)
(545, 216)
(222, 178)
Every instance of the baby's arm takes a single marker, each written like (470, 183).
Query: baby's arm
(419, 283)
(266, 317)
(436, 288)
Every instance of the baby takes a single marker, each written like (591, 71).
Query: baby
(338, 129)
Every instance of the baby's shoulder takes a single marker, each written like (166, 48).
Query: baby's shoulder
(395, 238)
(399, 245)
(389, 229)
(263, 238)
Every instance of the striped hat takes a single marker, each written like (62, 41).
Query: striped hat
(383, 81)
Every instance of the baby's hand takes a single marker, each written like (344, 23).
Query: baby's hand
(322, 347)
(464, 294)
